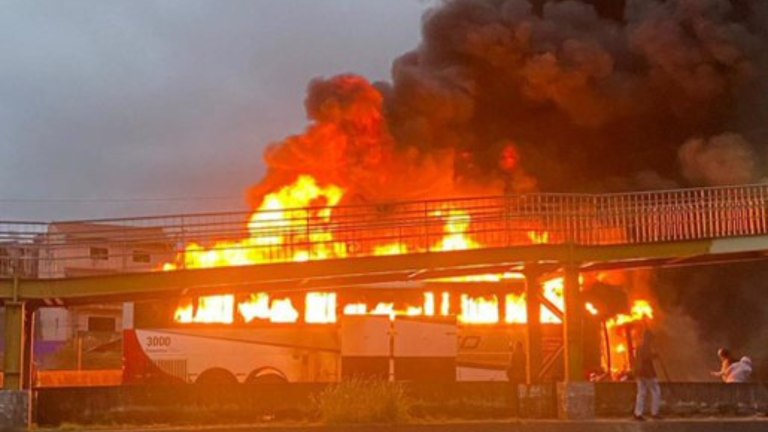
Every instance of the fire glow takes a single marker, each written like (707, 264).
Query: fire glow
(321, 308)
(275, 224)
(295, 224)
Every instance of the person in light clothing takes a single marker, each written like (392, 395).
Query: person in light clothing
(740, 371)
(647, 380)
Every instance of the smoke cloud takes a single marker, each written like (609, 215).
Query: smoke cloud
(566, 96)
(723, 307)
(723, 160)
(586, 95)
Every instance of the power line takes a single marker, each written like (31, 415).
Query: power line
(117, 200)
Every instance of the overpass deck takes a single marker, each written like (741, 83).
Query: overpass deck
(67, 263)
(333, 246)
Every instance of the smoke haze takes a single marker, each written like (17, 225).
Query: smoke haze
(585, 96)
(517, 95)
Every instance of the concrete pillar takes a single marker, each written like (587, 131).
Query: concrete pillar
(28, 348)
(573, 326)
(14, 345)
(533, 334)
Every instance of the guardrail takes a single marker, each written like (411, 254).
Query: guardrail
(75, 248)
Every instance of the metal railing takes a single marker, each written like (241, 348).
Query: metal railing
(75, 248)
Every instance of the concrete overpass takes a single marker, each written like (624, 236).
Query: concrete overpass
(316, 249)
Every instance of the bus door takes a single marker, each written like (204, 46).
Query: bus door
(424, 349)
(365, 347)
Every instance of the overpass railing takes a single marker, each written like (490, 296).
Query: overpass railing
(80, 248)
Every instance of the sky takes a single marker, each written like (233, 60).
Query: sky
(140, 107)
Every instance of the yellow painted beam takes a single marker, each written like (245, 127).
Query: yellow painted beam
(640, 252)
(14, 345)
(533, 332)
(397, 267)
(341, 272)
(573, 323)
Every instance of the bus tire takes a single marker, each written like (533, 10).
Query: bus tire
(217, 376)
(266, 375)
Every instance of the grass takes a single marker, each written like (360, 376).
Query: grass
(360, 401)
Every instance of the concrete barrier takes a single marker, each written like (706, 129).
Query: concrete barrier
(196, 404)
(14, 409)
(576, 401)
(686, 399)
(712, 425)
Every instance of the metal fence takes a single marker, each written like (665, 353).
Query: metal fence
(76, 248)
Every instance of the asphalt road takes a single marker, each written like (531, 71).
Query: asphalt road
(671, 425)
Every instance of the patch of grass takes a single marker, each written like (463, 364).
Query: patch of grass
(360, 401)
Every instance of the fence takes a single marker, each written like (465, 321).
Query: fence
(76, 248)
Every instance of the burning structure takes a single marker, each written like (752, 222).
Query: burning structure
(508, 96)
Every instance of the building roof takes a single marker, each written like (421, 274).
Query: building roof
(109, 232)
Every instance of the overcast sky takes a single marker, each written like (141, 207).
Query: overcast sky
(106, 106)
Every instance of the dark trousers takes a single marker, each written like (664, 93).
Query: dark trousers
(513, 398)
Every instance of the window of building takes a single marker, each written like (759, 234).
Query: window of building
(101, 324)
(140, 256)
(5, 262)
(99, 253)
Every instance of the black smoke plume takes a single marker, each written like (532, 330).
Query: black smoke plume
(567, 96)
(591, 97)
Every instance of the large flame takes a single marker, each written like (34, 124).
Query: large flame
(456, 224)
(321, 308)
(295, 223)
(641, 310)
(619, 333)
(257, 307)
(296, 212)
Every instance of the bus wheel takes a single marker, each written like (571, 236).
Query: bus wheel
(266, 375)
(217, 376)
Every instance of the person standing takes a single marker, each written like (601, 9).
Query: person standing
(516, 375)
(726, 362)
(647, 380)
(516, 368)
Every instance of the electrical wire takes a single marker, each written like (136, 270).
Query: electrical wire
(111, 200)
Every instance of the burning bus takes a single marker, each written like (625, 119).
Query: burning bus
(451, 329)
(426, 331)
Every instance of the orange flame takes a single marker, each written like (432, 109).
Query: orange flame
(538, 237)
(592, 309)
(274, 220)
(479, 310)
(259, 306)
(320, 308)
(455, 229)
(516, 311)
(221, 309)
(209, 309)
(641, 310)
(300, 213)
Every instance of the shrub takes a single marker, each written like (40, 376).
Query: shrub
(363, 401)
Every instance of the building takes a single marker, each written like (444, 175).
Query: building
(75, 249)
(19, 258)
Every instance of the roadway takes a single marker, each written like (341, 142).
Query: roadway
(752, 424)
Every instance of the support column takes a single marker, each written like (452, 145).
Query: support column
(573, 326)
(14, 400)
(533, 328)
(576, 397)
(28, 349)
(14, 345)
